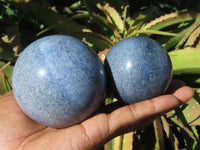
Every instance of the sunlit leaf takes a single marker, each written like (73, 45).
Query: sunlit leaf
(189, 32)
(7, 69)
(76, 5)
(114, 144)
(192, 111)
(193, 37)
(154, 32)
(139, 20)
(114, 15)
(127, 141)
(171, 19)
(115, 28)
(175, 39)
(186, 61)
(160, 143)
(175, 117)
(169, 134)
(5, 85)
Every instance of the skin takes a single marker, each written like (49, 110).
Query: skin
(18, 132)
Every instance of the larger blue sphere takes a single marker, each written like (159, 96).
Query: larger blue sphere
(138, 68)
(58, 81)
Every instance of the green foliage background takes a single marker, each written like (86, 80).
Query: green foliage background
(173, 23)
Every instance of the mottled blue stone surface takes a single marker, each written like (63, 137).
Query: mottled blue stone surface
(58, 81)
(138, 68)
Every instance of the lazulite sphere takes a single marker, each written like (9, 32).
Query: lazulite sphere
(58, 81)
(138, 68)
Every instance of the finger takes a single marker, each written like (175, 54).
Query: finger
(14, 124)
(174, 85)
(183, 97)
(133, 116)
(100, 128)
(103, 127)
(8, 93)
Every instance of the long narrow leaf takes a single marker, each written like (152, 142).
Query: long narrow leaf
(189, 32)
(5, 85)
(192, 111)
(172, 140)
(127, 141)
(114, 144)
(176, 39)
(193, 37)
(114, 15)
(186, 61)
(115, 28)
(160, 143)
(181, 125)
(171, 19)
(154, 32)
(7, 69)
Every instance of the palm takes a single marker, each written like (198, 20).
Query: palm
(20, 132)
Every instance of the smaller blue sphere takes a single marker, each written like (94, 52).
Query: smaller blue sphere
(138, 68)
(58, 81)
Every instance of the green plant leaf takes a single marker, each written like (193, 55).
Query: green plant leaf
(154, 32)
(193, 37)
(100, 20)
(186, 61)
(189, 32)
(192, 111)
(7, 69)
(111, 19)
(47, 16)
(6, 52)
(99, 41)
(127, 141)
(160, 144)
(171, 19)
(114, 144)
(76, 5)
(114, 15)
(175, 118)
(5, 84)
(176, 39)
(169, 134)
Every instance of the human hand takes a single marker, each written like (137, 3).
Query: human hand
(18, 132)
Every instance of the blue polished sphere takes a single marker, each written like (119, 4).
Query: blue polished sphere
(138, 68)
(58, 81)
